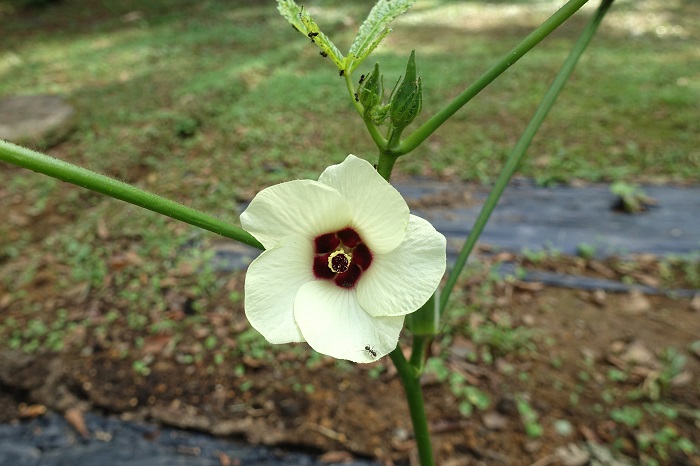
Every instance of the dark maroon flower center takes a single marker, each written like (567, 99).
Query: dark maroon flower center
(341, 256)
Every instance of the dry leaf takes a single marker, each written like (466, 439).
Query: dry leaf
(335, 457)
(76, 419)
(102, 231)
(31, 411)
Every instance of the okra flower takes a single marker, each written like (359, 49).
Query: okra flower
(344, 262)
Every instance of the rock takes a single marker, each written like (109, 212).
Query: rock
(36, 120)
(636, 303)
(563, 427)
(639, 355)
(598, 298)
(494, 421)
(695, 303)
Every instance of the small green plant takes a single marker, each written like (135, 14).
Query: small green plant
(631, 416)
(529, 417)
(470, 397)
(502, 339)
(586, 251)
(661, 444)
(631, 199)
(672, 364)
(140, 366)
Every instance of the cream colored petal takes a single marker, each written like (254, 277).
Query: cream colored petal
(401, 281)
(303, 207)
(380, 214)
(333, 323)
(271, 285)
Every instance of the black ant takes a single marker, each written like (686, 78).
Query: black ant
(312, 35)
(341, 72)
(371, 351)
(323, 54)
(362, 78)
(357, 97)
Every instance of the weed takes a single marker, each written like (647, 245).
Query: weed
(631, 198)
(141, 367)
(502, 339)
(529, 417)
(631, 416)
(586, 251)
(468, 396)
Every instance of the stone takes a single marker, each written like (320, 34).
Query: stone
(36, 120)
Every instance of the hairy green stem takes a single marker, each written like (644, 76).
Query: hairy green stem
(410, 376)
(535, 37)
(70, 173)
(378, 139)
(519, 150)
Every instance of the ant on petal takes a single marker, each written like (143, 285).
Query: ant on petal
(371, 351)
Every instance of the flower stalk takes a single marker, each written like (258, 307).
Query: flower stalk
(410, 377)
(520, 148)
(64, 171)
(508, 60)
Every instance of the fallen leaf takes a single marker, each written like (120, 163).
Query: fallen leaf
(573, 455)
(154, 344)
(336, 457)
(31, 411)
(494, 421)
(76, 419)
(102, 230)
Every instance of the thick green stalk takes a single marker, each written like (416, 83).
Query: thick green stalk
(385, 164)
(535, 37)
(410, 376)
(519, 150)
(65, 171)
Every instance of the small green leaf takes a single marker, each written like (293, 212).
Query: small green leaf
(301, 20)
(374, 29)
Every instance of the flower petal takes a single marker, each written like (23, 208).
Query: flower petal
(401, 281)
(271, 285)
(333, 323)
(303, 207)
(379, 213)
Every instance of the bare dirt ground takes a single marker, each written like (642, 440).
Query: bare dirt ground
(591, 367)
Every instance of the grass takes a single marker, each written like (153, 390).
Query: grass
(228, 87)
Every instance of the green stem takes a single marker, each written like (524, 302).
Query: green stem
(419, 351)
(386, 164)
(410, 377)
(379, 140)
(65, 171)
(519, 150)
(422, 133)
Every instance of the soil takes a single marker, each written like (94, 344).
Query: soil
(299, 399)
